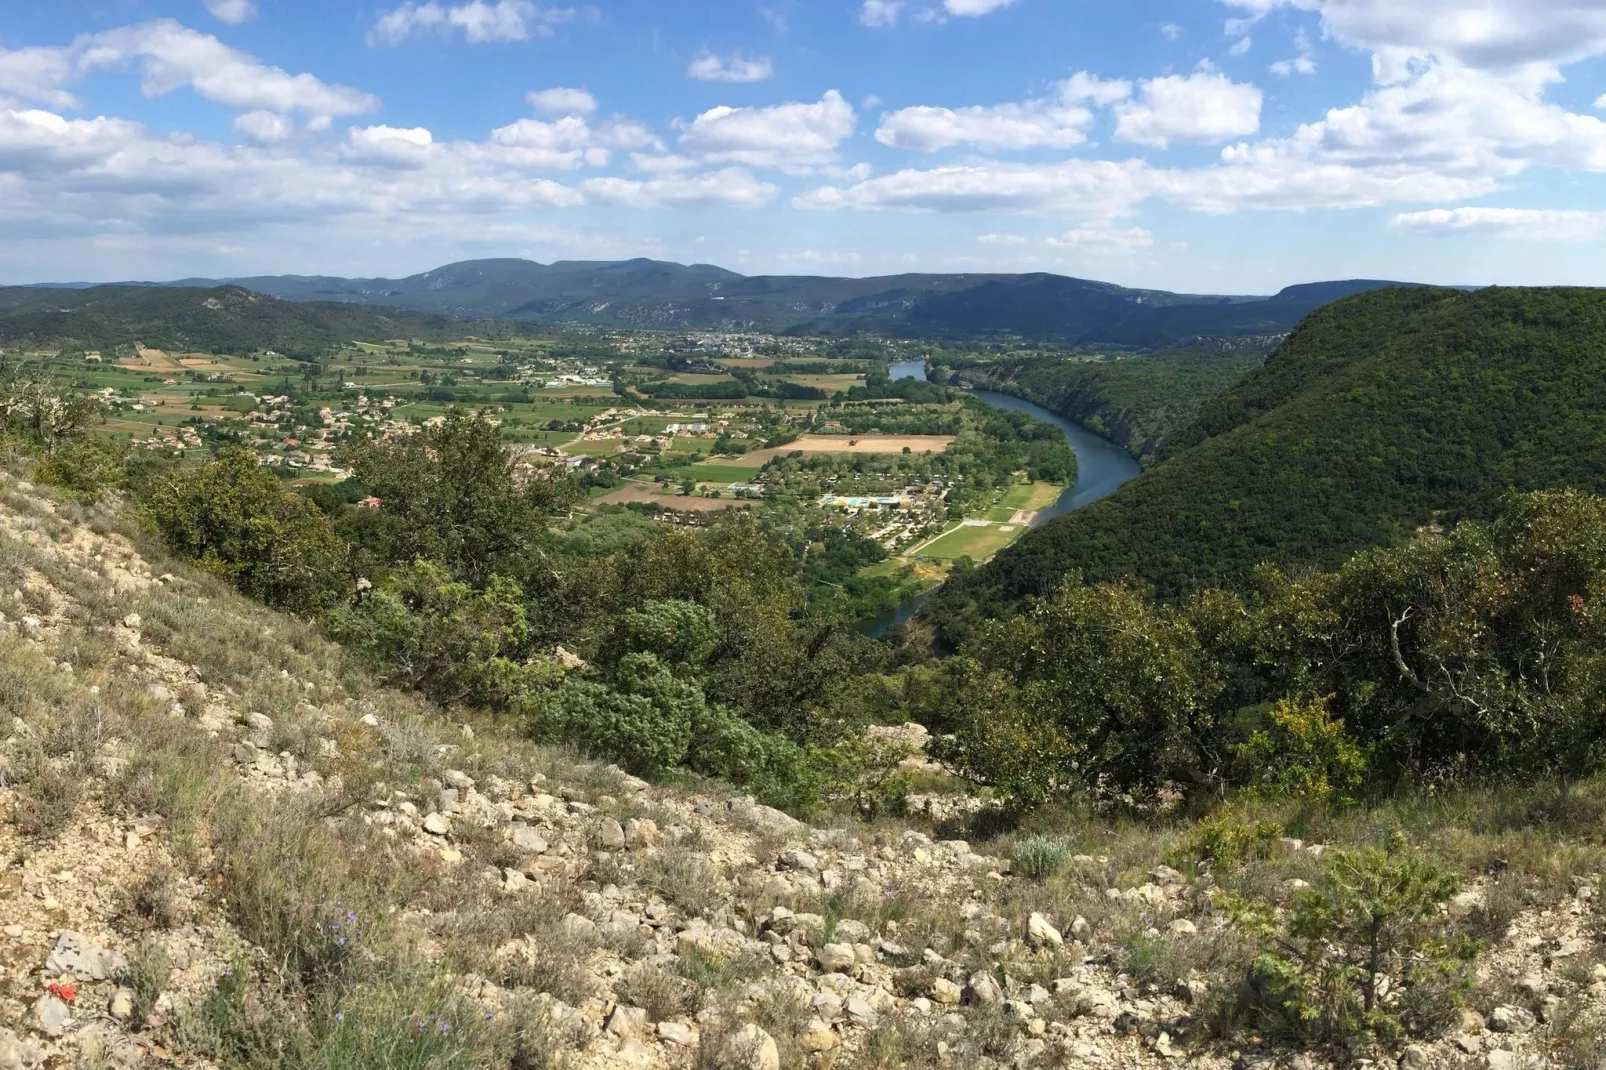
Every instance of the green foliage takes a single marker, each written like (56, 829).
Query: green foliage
(864, 772)
(451, 495)
(423, 630)
(1380, 414)
(1141, 400)
(1366, 955)
(1304, 753)
(83, 468)
(1039, 858)
(1228, 843)
(234, 518)
(1095, 691)
(41, 412)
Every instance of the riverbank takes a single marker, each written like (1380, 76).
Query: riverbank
(1102, 468)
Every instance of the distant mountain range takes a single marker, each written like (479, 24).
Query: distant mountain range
(650, 294)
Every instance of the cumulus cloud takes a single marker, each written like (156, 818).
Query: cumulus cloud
(562, 101)
(1495, 35)
(788, 136)
(880, 12)
(169, 56)
(568, 143)
(233, 12)
(263, 127)
(1003, 239)
(736, 67)
(731, 187)
(1061, 121)
(478, 21)
(1531, 224)
(1201, 108)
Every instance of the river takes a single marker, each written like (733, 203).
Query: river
(1101, 468)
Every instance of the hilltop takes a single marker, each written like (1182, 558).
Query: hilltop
(1382, 413)
(648, 294)
(227, 319)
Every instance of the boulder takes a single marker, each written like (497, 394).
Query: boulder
(1041, 932)
(749, 1048)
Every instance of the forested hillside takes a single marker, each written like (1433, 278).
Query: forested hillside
(1381, 413)
(221, 319)
(1139, 400)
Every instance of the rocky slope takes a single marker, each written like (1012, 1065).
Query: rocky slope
(194, 789)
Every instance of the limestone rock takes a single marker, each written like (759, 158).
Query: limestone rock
(1510, 1019)
(77, 954)
(627, 1022)
(437, 824)
(610, 834)
(1041, 932)
(836, 957)
(946, 992)
(121, 1006)
(677, 1033)
(749, 1048)
(51, 1016)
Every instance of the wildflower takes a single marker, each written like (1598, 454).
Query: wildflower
(340, 1016)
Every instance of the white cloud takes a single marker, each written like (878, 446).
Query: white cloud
(1531, 224)
(1087, 188)
(568, 143)
(1003, 239)
(1005, 126)
(974, 8)
(479, 22)
(788, 136)
(562, 101)
(233, 12)
(1104, 235)
(1202, 108)
(736, 67)
(263, 127)
(1241, 46)
(1302, 63)
(732, 187)
(169, 56)
(1061, 121)
(1170, 31)
(880, 12)
(1494, 35)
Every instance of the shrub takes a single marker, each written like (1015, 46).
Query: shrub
(424, 630)
(1039, 858)
(83, 468)
(44, 805)
(1303, 752)
(1366, 955)
(1228, 843)
(235, 519)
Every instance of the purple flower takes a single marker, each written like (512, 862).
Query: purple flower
(340, 1016)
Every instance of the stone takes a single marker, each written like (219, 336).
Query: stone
(259, 722)
(677, 1033)
(859, 1011)
(1080, 929)
(121, 1005)
(818, 1037)
(945, 992)
(527, 839)
(1415, 1057)
(749, 1048)
(627, 1022)
(458, 779)
(640, 832)
(514, 881)
(836, 957)
(17, 1053)
(983, 989)
(580, 926)
(51, 1016)
(1509, 1019)
(850, 931)
(1461, 906)
(801, 861)
(1183, 927)
(437, 824)
(610, 835)
(76, 954)
(1041, 932)
(1503, 1060)
(132, 622)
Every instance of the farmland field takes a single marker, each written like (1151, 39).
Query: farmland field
(974, 541)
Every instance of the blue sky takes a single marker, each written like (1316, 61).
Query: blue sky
(1224, 146)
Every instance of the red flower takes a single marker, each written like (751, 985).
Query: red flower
(65, 993)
